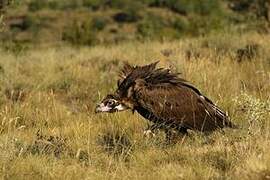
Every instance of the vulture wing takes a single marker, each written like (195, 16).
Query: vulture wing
(125, 71)
(180, 105)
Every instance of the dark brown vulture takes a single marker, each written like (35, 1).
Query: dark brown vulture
(165, 99)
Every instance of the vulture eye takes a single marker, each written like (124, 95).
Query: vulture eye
(110, 102)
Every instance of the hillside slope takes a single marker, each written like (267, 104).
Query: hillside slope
(91, 22)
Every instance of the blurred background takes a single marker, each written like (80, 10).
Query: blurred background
(91, 22)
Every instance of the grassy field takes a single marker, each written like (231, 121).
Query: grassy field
(48, 129)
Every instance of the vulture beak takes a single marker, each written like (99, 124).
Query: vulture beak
(101, 108)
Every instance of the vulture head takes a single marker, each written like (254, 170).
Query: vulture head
(110, 104)
(165, 99)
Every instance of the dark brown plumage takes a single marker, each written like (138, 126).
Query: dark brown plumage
(165, 99)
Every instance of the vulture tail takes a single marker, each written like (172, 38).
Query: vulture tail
(220, 115)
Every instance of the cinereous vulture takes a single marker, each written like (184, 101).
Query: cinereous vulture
(168, 101)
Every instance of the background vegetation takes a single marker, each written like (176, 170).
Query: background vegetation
(90, 22)
(59, 58)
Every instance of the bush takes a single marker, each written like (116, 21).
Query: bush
(181, 7)
(203, 7)
(93, 4)
(150, 26)
(36, 5)
(180, 24)
(99, 23)
(80, 33)
(126, 17)
(130, 11)
(70, 4)
(54, 5)
(254, 111)
(259, 8)
(30, 22)
(122, 4)
(206, 7)
(156, 27)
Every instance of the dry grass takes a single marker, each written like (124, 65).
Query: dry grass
(48, 129)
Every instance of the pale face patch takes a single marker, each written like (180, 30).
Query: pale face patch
(120, 107)
(110, 105)
(102, 108)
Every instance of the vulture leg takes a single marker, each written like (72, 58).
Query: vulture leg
(148, 133)
(150, 130)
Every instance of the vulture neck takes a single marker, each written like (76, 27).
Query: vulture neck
(146, 114)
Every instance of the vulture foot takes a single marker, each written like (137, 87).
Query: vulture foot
(148, 133)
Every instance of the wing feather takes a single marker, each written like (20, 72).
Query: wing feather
(180, 105)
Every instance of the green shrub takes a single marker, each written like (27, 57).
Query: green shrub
(203, 25)
(80, 33)
(120, 4)
(116, 4)
(147, 2)
(127, 16)
(254, 110)
(54, 5)
(70, 4)
(155, 27)
(99, 23)
(130, 10)
(258, 8)
(93, 4)
(207, 7)
(29, 22)
(32, 24)
(203, 7)
(180, 24)
(36, 5)
(150, 26)
(182, 7)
